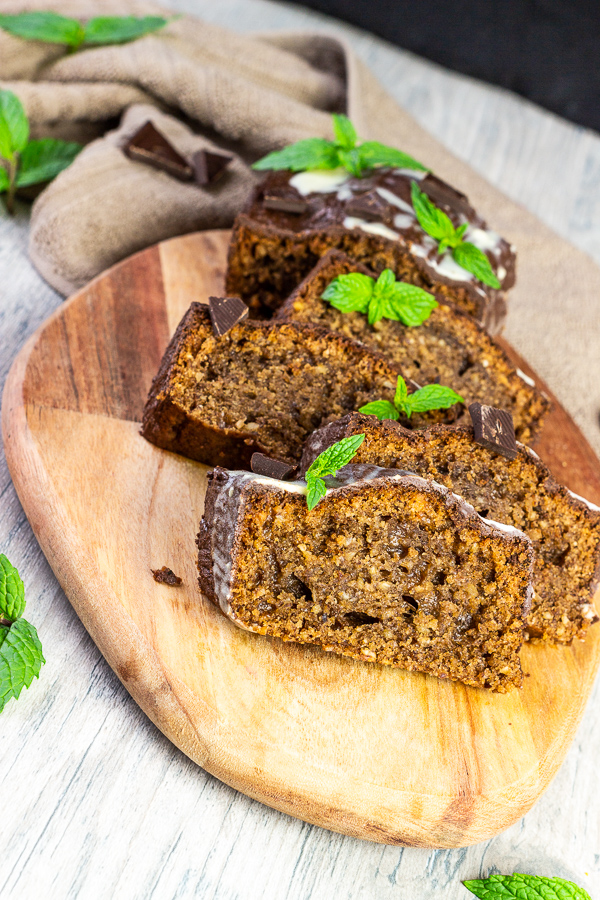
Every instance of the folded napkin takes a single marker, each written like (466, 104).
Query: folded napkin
(204, 86)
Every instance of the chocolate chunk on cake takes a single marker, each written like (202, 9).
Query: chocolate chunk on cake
(293, 219)
(564, 528)
(449, 346)
(257, 388)
(387, 568)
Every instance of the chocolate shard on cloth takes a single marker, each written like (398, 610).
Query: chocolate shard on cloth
(166, 576)
(493, 428)
(209, 167)
(271, 468)
(151, 147)
(225, 312)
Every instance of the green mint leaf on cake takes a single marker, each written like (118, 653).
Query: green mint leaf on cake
(53, 28)
(344, 151)
(20, 650)
(525, 887)
(328, 463)
(432, 396)
(438, 225)
(24, 162)
(384, 298)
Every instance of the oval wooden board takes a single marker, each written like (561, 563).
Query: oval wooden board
(370, 751)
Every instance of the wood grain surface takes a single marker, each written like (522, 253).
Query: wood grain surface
(390, 756)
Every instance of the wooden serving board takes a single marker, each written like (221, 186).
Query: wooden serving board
(370, 751)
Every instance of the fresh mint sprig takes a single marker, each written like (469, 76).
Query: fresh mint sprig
(525, 887)
(384, 298)
(345, 150)
(432, 396)
(438, 225)
(328, 463)
(24, 162)
(53, 28)
(20, 649)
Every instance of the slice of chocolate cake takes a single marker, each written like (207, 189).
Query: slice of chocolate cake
(387, 568)
(258, 387)
(293, 219)
(449, 346)
(564, 528)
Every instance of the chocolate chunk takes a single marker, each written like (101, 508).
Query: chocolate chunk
(225, 312)
(285, 203)
(209, 166)
(151, 147)
(493, 428)
(166, 576)
(444, 194)
(369, 206)
(272, 468)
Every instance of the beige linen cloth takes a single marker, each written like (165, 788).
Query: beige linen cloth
(204, 86)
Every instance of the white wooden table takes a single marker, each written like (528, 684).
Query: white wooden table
(94, 802)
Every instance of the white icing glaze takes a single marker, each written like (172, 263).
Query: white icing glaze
(403, 220)
(501, 273)
(446, 266)
(319, 181)
(345, 193)
(509, 529)
(372, 227)
(525, 378)
(415, 174)
(485, 239)
(588, 503)
(392, 198)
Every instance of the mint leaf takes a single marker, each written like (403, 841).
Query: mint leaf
(383, 409)
(525, 887)
(43, 160)
(382, 293)
(350, 160)
(475, 261)
(431, 219)
(12, 591)
(44, 26)
(315, 490)
(4, 180)
(372, 154)
(410, 304)
(21, 659)
(345, 132)
(312, 153)
(328, 463)
(120, 29)
(432, 396)
(349, 293)
(401, 395)
(14, 127)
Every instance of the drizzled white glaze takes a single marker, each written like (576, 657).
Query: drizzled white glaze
(446, 266)
(372, 227)
(588, 503)
(525, 378)
(345, 193)
(403, 220)
(392, 198)
(484, 239)
(415, 174)
(319, 181)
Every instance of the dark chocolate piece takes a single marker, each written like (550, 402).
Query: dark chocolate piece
(166, 576)
(369, 206)
(209, 166)
(225, 312)
(444, 194)
(151, 147)
(493, 428)
(271, 468)
(283, 203)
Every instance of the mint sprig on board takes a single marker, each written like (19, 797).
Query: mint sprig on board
(328, 463)
(53, 28)
(525, 887)
(432, 396)
(21, 655)
(438, 226)
(344, 151)
(24, 162)
(384, 298)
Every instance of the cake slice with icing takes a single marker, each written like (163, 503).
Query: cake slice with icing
(387, 568)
